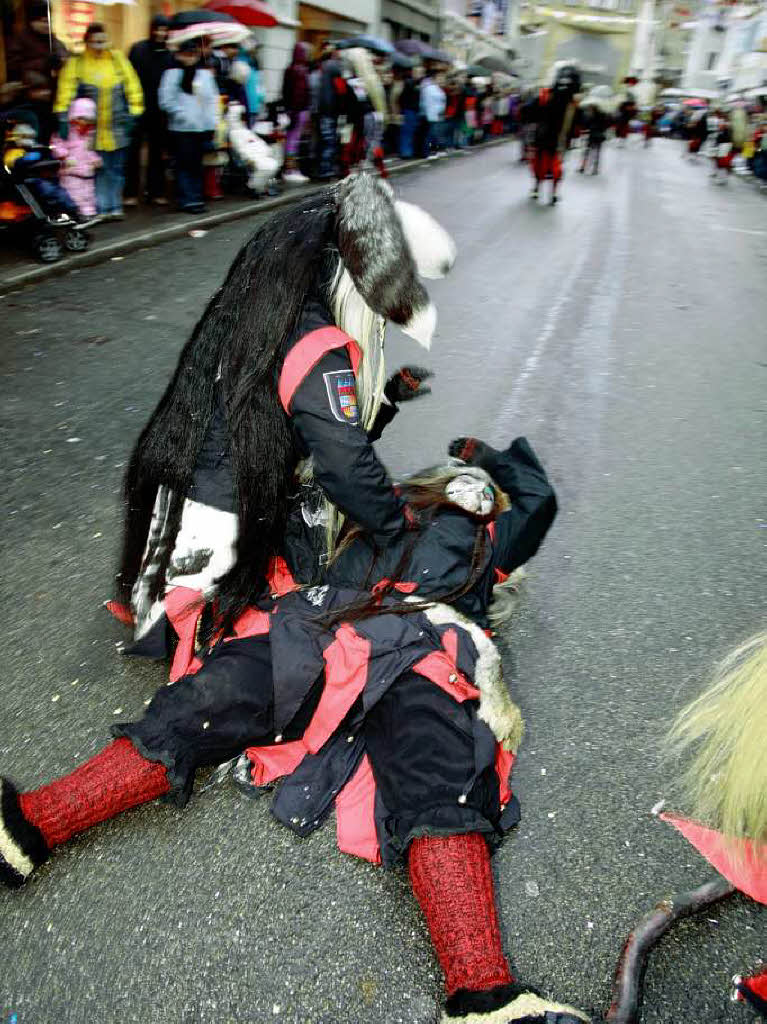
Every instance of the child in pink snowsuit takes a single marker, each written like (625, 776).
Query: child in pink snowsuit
(80, 161)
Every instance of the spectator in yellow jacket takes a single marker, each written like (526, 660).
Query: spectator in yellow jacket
(107, 77)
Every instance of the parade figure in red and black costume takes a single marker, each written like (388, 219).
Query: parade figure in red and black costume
(552, 112)
(276, 396)
(378, 693)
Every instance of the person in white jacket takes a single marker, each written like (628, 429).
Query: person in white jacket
(433, 103)
(189, 96)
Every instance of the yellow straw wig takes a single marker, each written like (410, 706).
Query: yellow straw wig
(725, 730)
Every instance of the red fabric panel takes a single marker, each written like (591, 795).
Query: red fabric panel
(272, 762)
(280, 578)
(742, 863)
(504, 762)
(121, 612)
(252, 622)
(440, 668)
(306, 353)
(183, 608)
(346, 670)
(403, 587)
(545, 164)
(757, 984)
(355, 815)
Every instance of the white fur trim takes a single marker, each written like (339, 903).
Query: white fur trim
(431, 246)
(525, 1005)
(422, 324)
(10, 850)
(496, 708)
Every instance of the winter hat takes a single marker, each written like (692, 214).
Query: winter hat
(82, 108)
(385, 246)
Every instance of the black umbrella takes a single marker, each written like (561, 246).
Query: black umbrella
(186, 18)
(401, 60)
(372, 43)
(497, 64)
(413, 47)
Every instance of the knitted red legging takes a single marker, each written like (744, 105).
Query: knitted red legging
(114, 780)
(453, 882)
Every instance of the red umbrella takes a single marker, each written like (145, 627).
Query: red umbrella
(254, 13)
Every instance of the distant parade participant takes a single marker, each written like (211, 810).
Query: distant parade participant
(552, 112)
(697, 133)
(626, 112)
(650, 129)
(594, 121)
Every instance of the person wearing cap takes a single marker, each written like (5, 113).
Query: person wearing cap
(106, 76)
(150, 59)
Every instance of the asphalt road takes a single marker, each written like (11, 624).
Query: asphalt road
(623, 332)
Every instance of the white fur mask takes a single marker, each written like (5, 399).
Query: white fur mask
(471, 494)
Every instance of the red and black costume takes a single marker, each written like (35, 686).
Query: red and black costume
(552, 112)
(394, 719)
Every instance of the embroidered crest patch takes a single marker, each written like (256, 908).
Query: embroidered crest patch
(342, 395)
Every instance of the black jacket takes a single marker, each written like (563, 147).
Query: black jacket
(346, 467)
(442, 554)
(150, 64)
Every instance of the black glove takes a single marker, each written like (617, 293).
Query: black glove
(63, 127)
(473, 452)
(406, 384)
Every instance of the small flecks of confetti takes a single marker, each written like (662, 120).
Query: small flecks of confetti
(148, 701)
(117, 711)
(97, 535)
(657, 808)
(590, 925)
(56, 526)
(551, 814)
(75, 681)
(73, 440)
(55, 697)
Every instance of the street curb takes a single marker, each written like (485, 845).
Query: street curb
(146, 239)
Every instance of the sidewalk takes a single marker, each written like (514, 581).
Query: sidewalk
(146, 226)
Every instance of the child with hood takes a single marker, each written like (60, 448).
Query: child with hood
(79, 158)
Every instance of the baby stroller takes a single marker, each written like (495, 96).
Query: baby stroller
(30, 214)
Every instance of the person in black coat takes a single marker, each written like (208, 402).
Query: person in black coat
(151, 59)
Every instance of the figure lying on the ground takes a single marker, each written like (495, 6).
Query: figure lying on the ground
(283, 371)
(379, 701)
(726, 783)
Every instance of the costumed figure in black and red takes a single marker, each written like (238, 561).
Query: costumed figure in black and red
(270, 413)
(378, 693)
(724, 732)
(552, 112)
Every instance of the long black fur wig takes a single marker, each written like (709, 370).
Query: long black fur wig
(242, 335)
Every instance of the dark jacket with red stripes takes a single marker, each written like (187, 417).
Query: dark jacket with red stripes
(442, 550)
(311, 383)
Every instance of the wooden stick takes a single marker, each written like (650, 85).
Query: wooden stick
(627, 984)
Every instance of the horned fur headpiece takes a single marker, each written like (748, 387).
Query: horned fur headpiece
(386, 245)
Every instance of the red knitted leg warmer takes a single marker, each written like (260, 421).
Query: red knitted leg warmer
(453, 882)
(114, 780)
